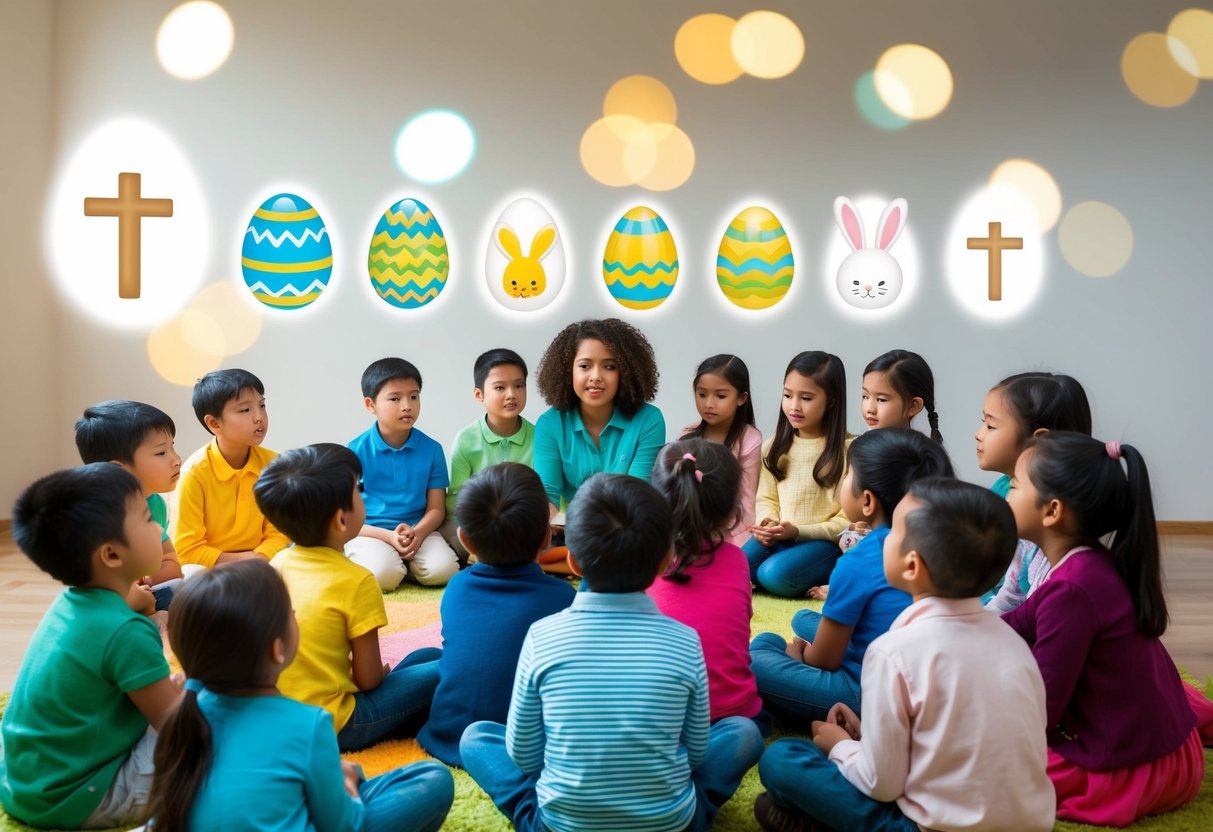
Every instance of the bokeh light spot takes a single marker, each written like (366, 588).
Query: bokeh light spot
(173, 351)
(767, 44)
(435, 146)
(236, 322)
(1036, 184)
(1193, 30)
(675, 159)
(872, 108)
(194, 40)
(618, 150)
(1095, 239)
(1152, 74)
(913, 81)
(704, 49)
(642, 97)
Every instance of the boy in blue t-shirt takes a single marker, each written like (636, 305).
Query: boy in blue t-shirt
(405, 480)
(503, 520)
(77, 749)
(139, 437)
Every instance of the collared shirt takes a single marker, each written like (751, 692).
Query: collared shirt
(610, 709)
(216, 512)
(477, 447)
(952, 706)
(397, 480)
(566, 455)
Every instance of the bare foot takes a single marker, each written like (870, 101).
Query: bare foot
(818, 593)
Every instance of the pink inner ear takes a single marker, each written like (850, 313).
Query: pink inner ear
(890, 228)
(851, 223)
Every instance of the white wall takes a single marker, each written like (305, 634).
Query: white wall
(315, 92)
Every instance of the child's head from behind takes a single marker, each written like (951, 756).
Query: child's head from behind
(231, 404)
(1022, 406)
(619, 532)
(963, 534)
(813, 405)
(883, 466)
(897, 386)
(391, 390)
(313, 494)
(502, 514)
(137, 436)
(700, 480)
(74, 523)
(234, 632)
(500, 377)
(722, 396)
(594, 363)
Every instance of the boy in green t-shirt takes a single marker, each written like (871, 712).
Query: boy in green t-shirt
(139, 437)
(75, 746)
(502, 435)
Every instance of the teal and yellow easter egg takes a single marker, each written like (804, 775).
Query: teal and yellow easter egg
(287, 256)
(640, 263)
(409, 261)
(754, 265)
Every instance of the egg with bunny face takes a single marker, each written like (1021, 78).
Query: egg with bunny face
(525, 263)
(869, 277)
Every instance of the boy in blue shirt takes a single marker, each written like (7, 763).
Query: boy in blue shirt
(139, 437)
(404, 474)
(608, 725)
(503, 521)
(77, 750)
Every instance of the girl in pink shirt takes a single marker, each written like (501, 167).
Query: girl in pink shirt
(707, 586)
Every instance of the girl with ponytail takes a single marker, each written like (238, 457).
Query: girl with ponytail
(237, 755)
(1124, 731)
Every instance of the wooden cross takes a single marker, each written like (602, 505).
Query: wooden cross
(129, 208)
(994, 244)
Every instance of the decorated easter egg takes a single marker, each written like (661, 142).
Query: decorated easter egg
(640, 263)
(287, 256)
(408, 261)
(754, 264)
(524, 264)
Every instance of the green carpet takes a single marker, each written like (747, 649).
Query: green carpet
(474, 812)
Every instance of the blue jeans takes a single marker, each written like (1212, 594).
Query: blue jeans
(796, 692)
(734, 745)
(415, 798)
(398, 707)
(790, 567)
(800, 777)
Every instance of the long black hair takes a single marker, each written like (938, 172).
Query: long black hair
(911, 378)
(734, 371)
(828, 373)
(1086, 476)
(1052, 401)
(222, 625)
(701, 480)
(887, 462)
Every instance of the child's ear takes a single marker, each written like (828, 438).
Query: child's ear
(467, 544)
(341, 520)
(369, 404)
(574, 565)
(915, 568)
(278, 651)
(109, 554)
(743, 398)
(479, 394)
(1040, 431)
(213, 423)
(915, 407)
(1054, 513)
(869, 504)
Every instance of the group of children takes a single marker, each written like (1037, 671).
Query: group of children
(640, 701)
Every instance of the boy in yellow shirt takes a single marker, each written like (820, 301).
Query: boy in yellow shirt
(217, 518)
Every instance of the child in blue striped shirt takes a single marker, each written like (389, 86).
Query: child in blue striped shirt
(608, 726)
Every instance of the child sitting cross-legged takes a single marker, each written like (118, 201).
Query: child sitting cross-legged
(314, 494)
(953, 705)
(77, 747)
(608, 726)
(503, 520)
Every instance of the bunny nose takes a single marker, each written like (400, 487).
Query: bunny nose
(867, 288)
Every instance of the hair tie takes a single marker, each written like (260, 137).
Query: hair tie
(195, 686)
(698, 473)
(1113, 449)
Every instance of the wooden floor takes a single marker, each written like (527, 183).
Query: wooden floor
(25, 593)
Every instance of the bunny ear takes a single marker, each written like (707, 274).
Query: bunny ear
(892, 221)
(541, 243)
(507, 242)
(849, 222)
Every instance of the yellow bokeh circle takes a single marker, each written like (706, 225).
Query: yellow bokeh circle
(1191, 41)
(234, 322)
(674, 162)
(913, 81)
(618, 150)
(1095, 239)
(194, 39)
(642, 97)
(767, 44)
(704, 49)
(1037, 186)
(1152, 74)
(172, 349)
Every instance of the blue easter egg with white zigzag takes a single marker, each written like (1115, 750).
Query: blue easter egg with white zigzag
(287, 256)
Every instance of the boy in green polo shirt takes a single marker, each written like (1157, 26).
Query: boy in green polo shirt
(502, 435)
(75, 747)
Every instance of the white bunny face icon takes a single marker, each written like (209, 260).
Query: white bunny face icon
(870, 278)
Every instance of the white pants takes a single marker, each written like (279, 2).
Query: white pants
(433, 565)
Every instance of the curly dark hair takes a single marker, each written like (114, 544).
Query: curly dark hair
(632, 351)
